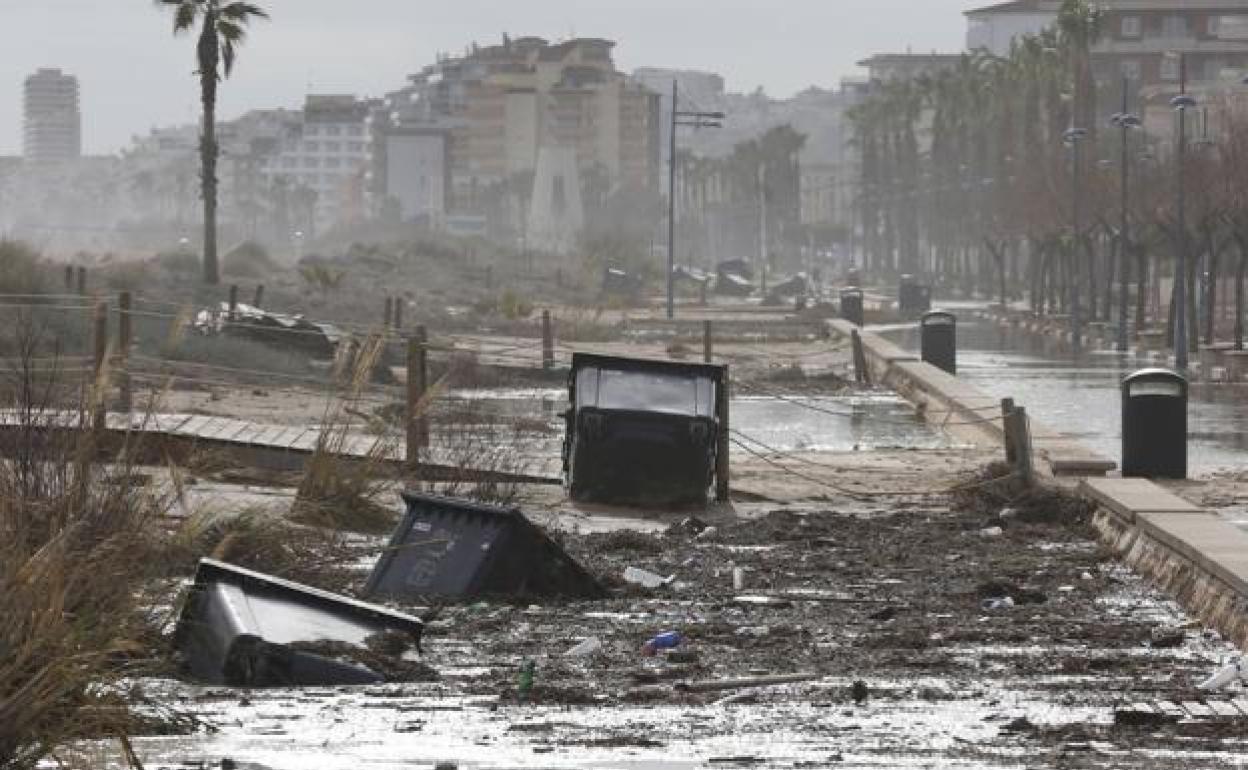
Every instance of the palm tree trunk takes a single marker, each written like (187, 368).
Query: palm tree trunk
(1240, 269)
(209, 53)
(1142, 286)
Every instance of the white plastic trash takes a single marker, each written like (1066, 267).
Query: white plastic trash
(645, 578)
(738, 578)
(588, 647)
(1227, 674)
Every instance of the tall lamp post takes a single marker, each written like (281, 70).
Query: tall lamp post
(1073, 137)
(1181, 104)
(695, 120)
(1125, 121)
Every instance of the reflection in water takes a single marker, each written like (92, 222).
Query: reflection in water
(819, 423)
(1080, 396)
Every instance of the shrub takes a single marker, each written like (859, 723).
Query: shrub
(21, 270)
(248, 260)
(75, 558)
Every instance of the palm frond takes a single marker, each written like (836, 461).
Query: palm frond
(185, 13)
(243, 12)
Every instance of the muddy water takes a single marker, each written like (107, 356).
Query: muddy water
(785, 422)
(1079, 395)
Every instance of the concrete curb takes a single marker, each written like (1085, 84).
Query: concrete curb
(961, 408)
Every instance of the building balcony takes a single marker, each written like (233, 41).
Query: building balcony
(1161, 45)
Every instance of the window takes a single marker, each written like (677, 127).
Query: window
(333, 130)
(1174, 26)
(311, 146)
(288, 162)
(356, 146)
(1232, 27)
(1130, 69)
(1169, 68)
(1131, 26)
(356, 130)
(312, 162)
(333, 146)
(311, 130)
(333, 162)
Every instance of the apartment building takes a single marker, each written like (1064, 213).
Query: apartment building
(52, 129)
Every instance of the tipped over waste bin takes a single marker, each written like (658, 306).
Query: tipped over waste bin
(247, 629)
(641, 432)
(446, 547)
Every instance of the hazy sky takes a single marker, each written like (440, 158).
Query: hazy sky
(135, 76)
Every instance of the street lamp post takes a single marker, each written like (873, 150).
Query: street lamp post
(1125, 121)
(680, 118)
(1073, 137)
(1181, 104)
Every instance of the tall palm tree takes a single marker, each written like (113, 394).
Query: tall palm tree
(222, 29)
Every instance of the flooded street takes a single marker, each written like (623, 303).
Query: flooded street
(1080, 396)
(784, 421)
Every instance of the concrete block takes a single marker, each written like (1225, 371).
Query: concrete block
(1130, 497)
(1207, 540)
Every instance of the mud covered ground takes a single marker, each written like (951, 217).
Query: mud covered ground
(893, 605)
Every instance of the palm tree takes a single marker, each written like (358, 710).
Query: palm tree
(222, 29)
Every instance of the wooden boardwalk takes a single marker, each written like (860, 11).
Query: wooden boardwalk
(179, 437)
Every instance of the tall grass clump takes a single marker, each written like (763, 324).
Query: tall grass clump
(76, 555)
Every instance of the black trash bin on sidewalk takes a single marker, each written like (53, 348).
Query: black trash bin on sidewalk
(913, 297)
(1154, 425)
(938, 340)
(851, 305)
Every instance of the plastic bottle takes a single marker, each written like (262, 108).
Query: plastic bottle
(665, 641)
(524, 687)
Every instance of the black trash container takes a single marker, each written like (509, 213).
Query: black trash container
(1154, 425)
(851, 305)
(938, 340)
(913, 297)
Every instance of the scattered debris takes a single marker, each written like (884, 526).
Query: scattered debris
(665, 641)
(1224, 676)
(448, 547)
(248, 629)
(589, 646)
(319, 340)
(646, 578)
(859, 692)
(1167, 638)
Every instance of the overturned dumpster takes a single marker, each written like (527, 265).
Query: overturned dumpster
(449, 547)
(641, 432)
(248, 629)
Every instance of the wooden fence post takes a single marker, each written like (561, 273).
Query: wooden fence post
(97, 391)
(259, 298)
(388, 313)
(1007, 406)
(862, 372)
(69, 278)
(722, 465)
(82, 281)
(548, 342)
(397, 314)
(1020, 432)
(124, 338)
(417, 386)
(708, 343)
(233, 302)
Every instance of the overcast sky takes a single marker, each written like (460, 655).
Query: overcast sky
(135, 76)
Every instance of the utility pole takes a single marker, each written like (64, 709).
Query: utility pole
(695, 120)
(1181, 103)
(1073, 137)
(1126, 121)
